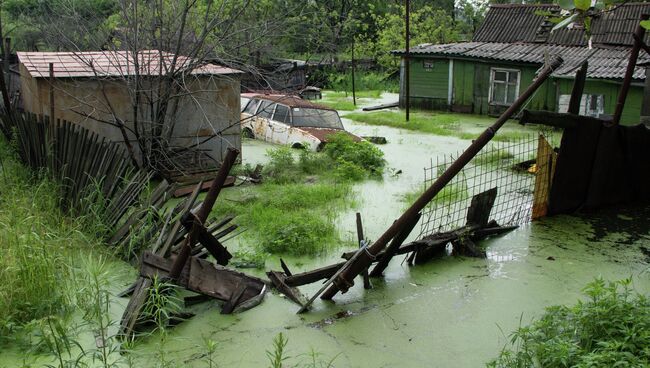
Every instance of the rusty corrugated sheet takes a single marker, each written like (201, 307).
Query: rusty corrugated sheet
(111, 64)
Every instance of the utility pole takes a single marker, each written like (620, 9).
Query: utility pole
(407, 61)
(354, 94)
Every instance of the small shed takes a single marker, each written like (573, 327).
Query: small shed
(96, 89)
(486, 75)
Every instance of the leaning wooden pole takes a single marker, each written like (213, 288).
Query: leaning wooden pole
(203, 212)
(629, 72)
(343, 280)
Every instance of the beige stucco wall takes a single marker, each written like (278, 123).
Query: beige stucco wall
(212, 104)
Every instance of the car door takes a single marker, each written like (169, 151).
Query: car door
(279, 127)
(263, 121)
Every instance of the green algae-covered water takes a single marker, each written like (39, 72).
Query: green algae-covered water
(452, 312)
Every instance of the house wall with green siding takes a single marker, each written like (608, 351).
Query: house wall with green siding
(471, 86)
(429, 86)
(632, 110)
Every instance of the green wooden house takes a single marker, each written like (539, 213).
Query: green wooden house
(486, 75)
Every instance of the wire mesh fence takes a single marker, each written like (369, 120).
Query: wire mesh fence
(520, 169)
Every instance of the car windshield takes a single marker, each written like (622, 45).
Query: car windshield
(316, 118)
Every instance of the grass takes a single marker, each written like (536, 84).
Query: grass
(293, 211)
(437, 123)
(364, 81)
(610, 329)
(34, 238)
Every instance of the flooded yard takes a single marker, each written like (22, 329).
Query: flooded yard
(452, 312)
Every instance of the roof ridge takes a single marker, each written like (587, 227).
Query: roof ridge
(524, 5)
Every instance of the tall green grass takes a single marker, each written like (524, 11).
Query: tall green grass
(610, 329)
(293, 211)
(364, 81)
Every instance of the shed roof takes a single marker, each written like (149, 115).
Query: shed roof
(113, 64)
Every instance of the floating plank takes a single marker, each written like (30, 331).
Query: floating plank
(203, 277)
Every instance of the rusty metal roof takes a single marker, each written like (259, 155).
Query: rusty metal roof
(112, 64)
(293, 101)
(605, 63)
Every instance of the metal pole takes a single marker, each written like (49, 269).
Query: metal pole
(354, 94)
(629, 72)
(407, 61)
(344, 280)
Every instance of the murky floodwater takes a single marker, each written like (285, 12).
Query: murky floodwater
(448, 313)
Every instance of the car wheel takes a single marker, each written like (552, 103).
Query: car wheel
(298, 145)
(247, 133)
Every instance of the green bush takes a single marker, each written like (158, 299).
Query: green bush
(345, 151)
(610, 329)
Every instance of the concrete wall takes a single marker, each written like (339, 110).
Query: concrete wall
(210, 105)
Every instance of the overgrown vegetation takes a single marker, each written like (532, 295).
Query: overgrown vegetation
(35, 238)
(438, 123)
(293, 211)
(610, 329)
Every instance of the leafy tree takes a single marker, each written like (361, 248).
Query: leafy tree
(427, 25)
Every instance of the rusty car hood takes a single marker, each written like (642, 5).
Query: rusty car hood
(323, 133)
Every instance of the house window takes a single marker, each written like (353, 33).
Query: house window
(427, 65)
(594, 106)
(504, 86)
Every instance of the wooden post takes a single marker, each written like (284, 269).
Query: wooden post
(342, 281)
(629, 72)
(407, 61)
(52, 120)
(578, 88)
(361, 239)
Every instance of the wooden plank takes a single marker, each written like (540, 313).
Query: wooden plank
(203, 277)
(480, 208)
(229, 306)
(546, 160)
(278, 280)
(214, 246)
(362, 242)
(394, 245)
(187, 189)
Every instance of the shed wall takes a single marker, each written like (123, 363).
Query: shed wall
(213, 106)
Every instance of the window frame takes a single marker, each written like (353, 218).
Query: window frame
(493, 71)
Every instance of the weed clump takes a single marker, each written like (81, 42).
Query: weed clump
(610, 329)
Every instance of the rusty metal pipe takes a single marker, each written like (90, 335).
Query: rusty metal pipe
(204, 211)
(629, 72)
(352, 269)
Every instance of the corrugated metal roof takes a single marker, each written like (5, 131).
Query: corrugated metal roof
(615, 27)
(605, 63)
(520, 33)
(512, 23)
(111, 64)
(526, 23)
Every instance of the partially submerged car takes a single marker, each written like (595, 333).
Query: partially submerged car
(290, 120)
